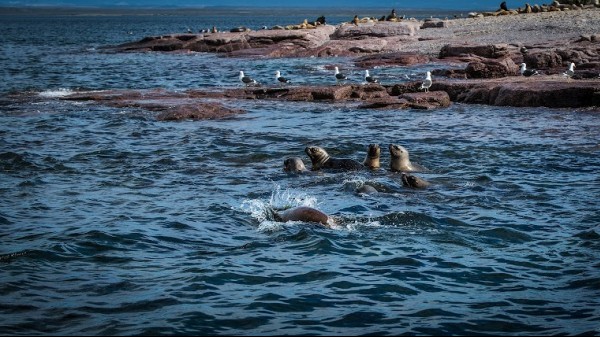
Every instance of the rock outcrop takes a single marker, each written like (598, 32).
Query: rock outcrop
(323, 40)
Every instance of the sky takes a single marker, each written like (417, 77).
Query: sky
(415, 4)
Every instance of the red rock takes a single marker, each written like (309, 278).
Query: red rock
(487, 51)
(492, 68)
(389, 59)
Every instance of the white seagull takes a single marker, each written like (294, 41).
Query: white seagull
(527, 72)
(571, 71)
(339, 76)
(280, 78)
(427, 83)
(369, 78)
(246, 79)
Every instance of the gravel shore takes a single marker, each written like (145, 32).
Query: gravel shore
(521, 29)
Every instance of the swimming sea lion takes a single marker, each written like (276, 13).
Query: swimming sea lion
(366, 189)
(321, 159)
(294, 164)
(306, 214)
(414, 181)
(400, 161)
(372, 159)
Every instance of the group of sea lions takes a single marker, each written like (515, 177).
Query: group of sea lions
(399, 162)
(321, 160)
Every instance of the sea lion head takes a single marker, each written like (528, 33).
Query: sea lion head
(318, 156)
(293, 164)
(399, 157)
(413, 181)
(398, 151)
(373, 154)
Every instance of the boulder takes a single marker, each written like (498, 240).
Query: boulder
(542, 59)
(492, 68)
(487, 51)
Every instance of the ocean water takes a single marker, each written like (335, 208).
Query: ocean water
(112, 222)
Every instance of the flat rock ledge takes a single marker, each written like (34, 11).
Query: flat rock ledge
(551, 92)
(170, 106)
(548, 91)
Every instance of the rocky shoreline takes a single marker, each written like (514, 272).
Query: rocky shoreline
(490, 46)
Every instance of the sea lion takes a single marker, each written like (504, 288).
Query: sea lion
(400, 161)
(372, 159)
(392, 16)
(414, 181)
(306, 214)
(321, 159)
(366, 189)
(294, 165)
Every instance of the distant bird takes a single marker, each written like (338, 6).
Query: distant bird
(527, 72)
(369, 78)
(503, 6)
(571, 71)
(280, 78)
(427, 82)
(523, 50)
(247, 80)
(339, 76)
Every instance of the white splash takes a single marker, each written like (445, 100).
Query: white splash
(62, 92)
(262, 210)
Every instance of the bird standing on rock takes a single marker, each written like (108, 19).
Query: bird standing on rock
(280, 78)
(427, 83)
(369, 78)
(527, 72)
(246, 79)
(571, 71)
(339, 76)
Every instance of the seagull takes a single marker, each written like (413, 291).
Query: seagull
(571, 71)
(339, 76)
(527, 72)
(427, 83)
(280, 78)
(369, 78)
(246, 79)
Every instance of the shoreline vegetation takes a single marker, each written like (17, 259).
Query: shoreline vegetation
(492, 46)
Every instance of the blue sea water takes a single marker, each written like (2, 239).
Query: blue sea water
(113, 222)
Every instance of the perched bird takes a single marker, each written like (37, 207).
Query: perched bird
(427, 83)
(247, 80)
(339, 76)
(527, 72)
(280, 78)
(523, 50)
(571, 71)
(369, 78)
